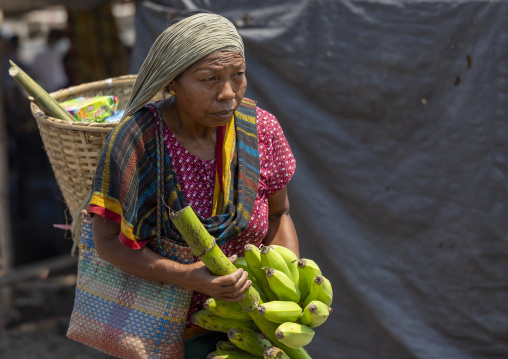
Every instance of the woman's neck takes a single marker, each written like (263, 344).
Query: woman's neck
(199, 140)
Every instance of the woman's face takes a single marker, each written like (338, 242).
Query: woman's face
(211, 90)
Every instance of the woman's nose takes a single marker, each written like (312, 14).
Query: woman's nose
(226, 92)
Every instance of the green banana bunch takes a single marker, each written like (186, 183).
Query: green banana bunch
(226, 309)
(230, 354)
(275, 353)
(208, 320)
(315, 314)
(280, 311)
(321, 289)
(253, 258)
(291, 261)
(308, 270)
(272, 259)
(249, 340)
(224, 345)
(282, 285)
(294, 335)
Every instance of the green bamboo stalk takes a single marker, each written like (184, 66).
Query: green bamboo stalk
(47, 103)
(203, 245)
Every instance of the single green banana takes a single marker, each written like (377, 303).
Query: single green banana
(272, 259)
(294, 335)
(226, 345)
(321, 289)
(315, 314)
(291, 261)
(226, 309)
(231, 354)
(253, 258)
(280, 311)
(308, 271)
(208, 320)
(282, 286)
(275, 353)
(249, 340)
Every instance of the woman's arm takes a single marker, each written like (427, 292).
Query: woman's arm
(281, 230)
(147, 264)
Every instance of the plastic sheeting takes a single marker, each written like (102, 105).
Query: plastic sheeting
(396, 112)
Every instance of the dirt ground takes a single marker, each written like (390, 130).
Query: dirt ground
(35, 328)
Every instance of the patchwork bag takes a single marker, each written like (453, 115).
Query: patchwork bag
(126, 316)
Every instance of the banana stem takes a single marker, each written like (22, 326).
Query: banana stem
(203, 246)
(47, 103)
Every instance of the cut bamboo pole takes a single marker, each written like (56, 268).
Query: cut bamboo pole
(7, 294)
(45, 102)
(203, 245)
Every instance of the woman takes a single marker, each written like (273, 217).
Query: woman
(224, 157)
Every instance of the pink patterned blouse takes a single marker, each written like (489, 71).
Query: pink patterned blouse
(197, 179)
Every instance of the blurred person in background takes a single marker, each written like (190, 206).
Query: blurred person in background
(48, 68)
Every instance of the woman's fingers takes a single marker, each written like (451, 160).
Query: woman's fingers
(237, 295)
(232, 286)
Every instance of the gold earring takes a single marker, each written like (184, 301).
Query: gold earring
(172, 93)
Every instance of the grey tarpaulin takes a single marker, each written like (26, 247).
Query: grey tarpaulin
(397, 113)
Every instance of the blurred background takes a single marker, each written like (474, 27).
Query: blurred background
(396, 112)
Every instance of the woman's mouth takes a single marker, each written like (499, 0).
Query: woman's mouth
(224, 115)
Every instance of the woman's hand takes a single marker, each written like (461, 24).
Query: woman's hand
(230, 288)
(147, 264)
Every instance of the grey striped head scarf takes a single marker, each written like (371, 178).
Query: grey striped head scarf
(176, 49)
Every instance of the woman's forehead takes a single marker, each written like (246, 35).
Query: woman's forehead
(218, 60)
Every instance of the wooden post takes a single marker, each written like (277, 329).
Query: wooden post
(6, 297)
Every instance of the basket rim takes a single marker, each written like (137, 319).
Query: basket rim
(74, 90)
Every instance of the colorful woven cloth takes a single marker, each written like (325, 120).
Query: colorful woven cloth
(124, 188)
(123, 315)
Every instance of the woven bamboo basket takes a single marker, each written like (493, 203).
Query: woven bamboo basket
(73, 148)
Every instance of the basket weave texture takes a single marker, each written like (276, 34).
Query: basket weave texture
(73, 148)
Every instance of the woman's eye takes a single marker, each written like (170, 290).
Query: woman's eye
(209, 78)
(238, 74)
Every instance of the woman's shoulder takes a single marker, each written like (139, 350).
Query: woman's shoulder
(135, 128)
(267, 124)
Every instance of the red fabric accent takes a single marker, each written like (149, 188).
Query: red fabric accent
(130, 243)
(115, 217)
(221, 133)
(104, 212)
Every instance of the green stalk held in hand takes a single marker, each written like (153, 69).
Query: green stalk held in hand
(203, 245)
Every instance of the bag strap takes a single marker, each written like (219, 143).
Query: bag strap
(159, 140)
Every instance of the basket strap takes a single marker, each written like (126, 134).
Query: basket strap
(159, 140)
